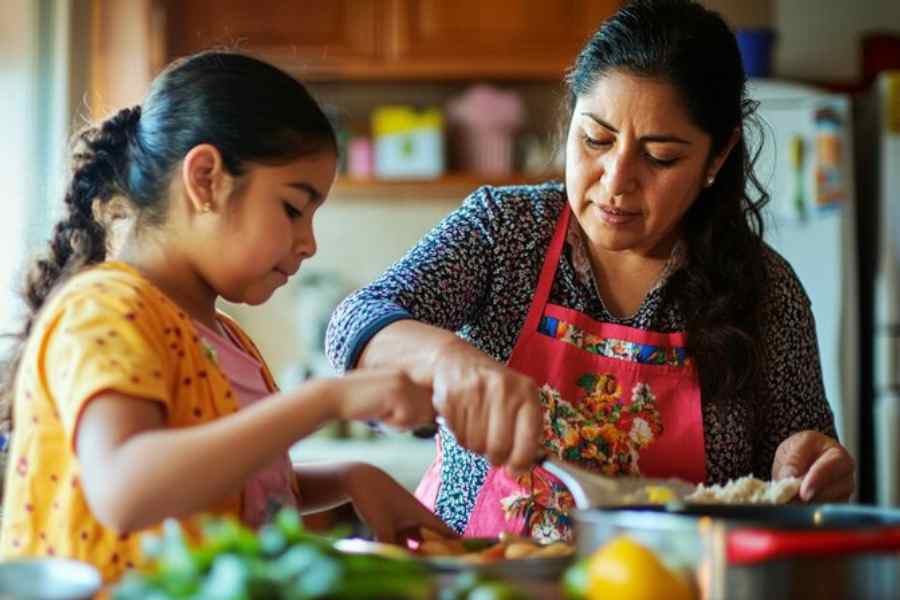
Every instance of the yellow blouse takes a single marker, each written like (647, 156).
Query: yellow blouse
(106, 329)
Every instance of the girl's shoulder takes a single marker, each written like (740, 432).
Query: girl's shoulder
(112, 290)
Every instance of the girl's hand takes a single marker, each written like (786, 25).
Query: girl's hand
(827, 469)
(391, 512)
(491, 409)
(388, 396)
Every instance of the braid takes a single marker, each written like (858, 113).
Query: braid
(99, 172)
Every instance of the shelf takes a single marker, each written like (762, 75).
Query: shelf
(453, 186)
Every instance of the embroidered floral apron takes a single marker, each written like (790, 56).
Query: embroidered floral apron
(617, 401)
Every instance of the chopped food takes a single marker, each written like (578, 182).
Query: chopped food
(747, 490)
(483, 551)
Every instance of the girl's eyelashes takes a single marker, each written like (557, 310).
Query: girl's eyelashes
(292, 212)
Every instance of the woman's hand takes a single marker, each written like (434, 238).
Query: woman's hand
(827, 469)
(491, 409)
(391, 512)
(388, 396)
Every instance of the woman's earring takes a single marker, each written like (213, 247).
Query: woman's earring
(710, 180)
(205, 207)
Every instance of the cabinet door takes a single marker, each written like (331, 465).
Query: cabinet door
(306, 36)
(495, 38)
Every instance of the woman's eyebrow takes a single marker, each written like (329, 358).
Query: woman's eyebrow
(653, 137)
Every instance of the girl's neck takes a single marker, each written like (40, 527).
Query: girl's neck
(175, 277)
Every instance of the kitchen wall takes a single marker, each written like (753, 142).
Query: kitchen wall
(357, 240)
(820, 39)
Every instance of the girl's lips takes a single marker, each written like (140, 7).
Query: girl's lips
(615, 216)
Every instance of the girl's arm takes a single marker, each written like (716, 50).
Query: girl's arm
(135, 472)
(390, 511)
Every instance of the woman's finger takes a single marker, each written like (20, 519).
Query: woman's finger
(831, 476)
(500, 435)
(529, 428)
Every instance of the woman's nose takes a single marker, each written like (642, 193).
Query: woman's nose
(619, 175)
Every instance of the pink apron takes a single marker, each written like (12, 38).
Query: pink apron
(617, 400)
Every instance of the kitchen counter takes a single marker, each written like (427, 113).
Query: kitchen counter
(401, 455)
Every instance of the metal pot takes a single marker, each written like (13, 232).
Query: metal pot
(750, 552)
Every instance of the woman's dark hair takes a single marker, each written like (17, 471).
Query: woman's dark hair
(721, 287)
(249, 110)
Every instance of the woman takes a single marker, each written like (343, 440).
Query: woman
(666, 338)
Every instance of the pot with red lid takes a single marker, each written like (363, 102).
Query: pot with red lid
(742, 552)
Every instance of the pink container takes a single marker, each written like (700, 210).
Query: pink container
(360, 157)
(484, 121)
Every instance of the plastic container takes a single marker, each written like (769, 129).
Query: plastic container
(485, 120)
(755, 46)
(408, 143)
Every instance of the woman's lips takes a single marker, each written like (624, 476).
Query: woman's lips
(617, 216)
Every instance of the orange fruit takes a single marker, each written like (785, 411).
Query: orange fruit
(623, 569)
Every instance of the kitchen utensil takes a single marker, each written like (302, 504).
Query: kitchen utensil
(743, 552)
(48, 579)
(591, 490)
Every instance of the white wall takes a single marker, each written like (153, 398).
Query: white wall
(821, 39)
(356, 239)
(18, 146)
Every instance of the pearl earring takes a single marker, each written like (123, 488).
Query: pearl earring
(710, 180)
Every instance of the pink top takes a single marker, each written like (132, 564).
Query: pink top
(269, 489)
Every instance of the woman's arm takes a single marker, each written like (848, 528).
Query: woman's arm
(797, 436)
(443, 281)
(135, 472)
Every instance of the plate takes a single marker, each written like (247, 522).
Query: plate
(517, 568)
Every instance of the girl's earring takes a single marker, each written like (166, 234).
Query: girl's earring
(710, 180)
(206, 207)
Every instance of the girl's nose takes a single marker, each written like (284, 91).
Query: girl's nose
(305, 243)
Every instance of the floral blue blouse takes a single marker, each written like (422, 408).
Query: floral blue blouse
(475, 274)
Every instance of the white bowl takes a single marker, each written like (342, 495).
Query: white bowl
(48, 579)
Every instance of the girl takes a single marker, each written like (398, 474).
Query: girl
(134, 399)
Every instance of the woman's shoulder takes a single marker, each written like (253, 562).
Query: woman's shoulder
(525, 205)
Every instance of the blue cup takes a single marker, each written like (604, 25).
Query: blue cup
(755, 46)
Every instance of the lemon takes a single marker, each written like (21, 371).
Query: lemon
(625, 570)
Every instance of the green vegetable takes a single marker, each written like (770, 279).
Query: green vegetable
(281, 561)
(575, 580)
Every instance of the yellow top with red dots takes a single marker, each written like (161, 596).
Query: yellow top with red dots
(107, 329)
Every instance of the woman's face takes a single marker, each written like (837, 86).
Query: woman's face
(634, 164)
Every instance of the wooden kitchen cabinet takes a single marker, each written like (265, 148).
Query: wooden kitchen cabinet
(393, 39)
(522, 39)
(310, 37)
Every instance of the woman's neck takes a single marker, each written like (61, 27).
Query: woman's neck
(625, 277)
(174, 276)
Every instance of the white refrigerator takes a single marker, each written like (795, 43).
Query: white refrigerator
(880, 174)
(806, 166)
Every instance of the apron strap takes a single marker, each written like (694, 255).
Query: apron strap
(548, 272)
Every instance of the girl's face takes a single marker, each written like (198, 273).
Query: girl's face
(267, 230)
(634, 164)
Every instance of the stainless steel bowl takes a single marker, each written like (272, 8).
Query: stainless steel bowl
(48, 579)
(748, 552)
